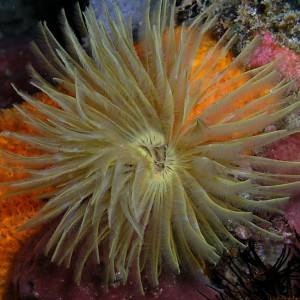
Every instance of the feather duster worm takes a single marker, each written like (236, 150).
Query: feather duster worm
(146, 148)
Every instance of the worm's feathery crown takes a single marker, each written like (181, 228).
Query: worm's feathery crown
(141, 160)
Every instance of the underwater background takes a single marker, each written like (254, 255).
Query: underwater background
(265, 270)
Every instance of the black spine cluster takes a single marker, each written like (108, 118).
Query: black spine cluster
(256, 280)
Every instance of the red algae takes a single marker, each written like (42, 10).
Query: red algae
(287, 149)
(269, 50)
(37, 275)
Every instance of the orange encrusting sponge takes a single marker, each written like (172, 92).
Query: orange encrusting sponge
(212, 95)
(16, 210)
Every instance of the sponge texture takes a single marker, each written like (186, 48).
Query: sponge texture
(16, 210)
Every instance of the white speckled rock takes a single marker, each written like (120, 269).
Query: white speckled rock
(130, 9)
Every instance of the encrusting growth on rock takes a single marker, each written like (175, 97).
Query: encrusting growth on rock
(151, 150)
(16, 210)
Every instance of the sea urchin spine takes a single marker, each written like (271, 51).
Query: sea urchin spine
(146, 148)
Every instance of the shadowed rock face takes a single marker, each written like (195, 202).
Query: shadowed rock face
(16, 17)
(15, 54)
(34, 276)
(18, 26)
